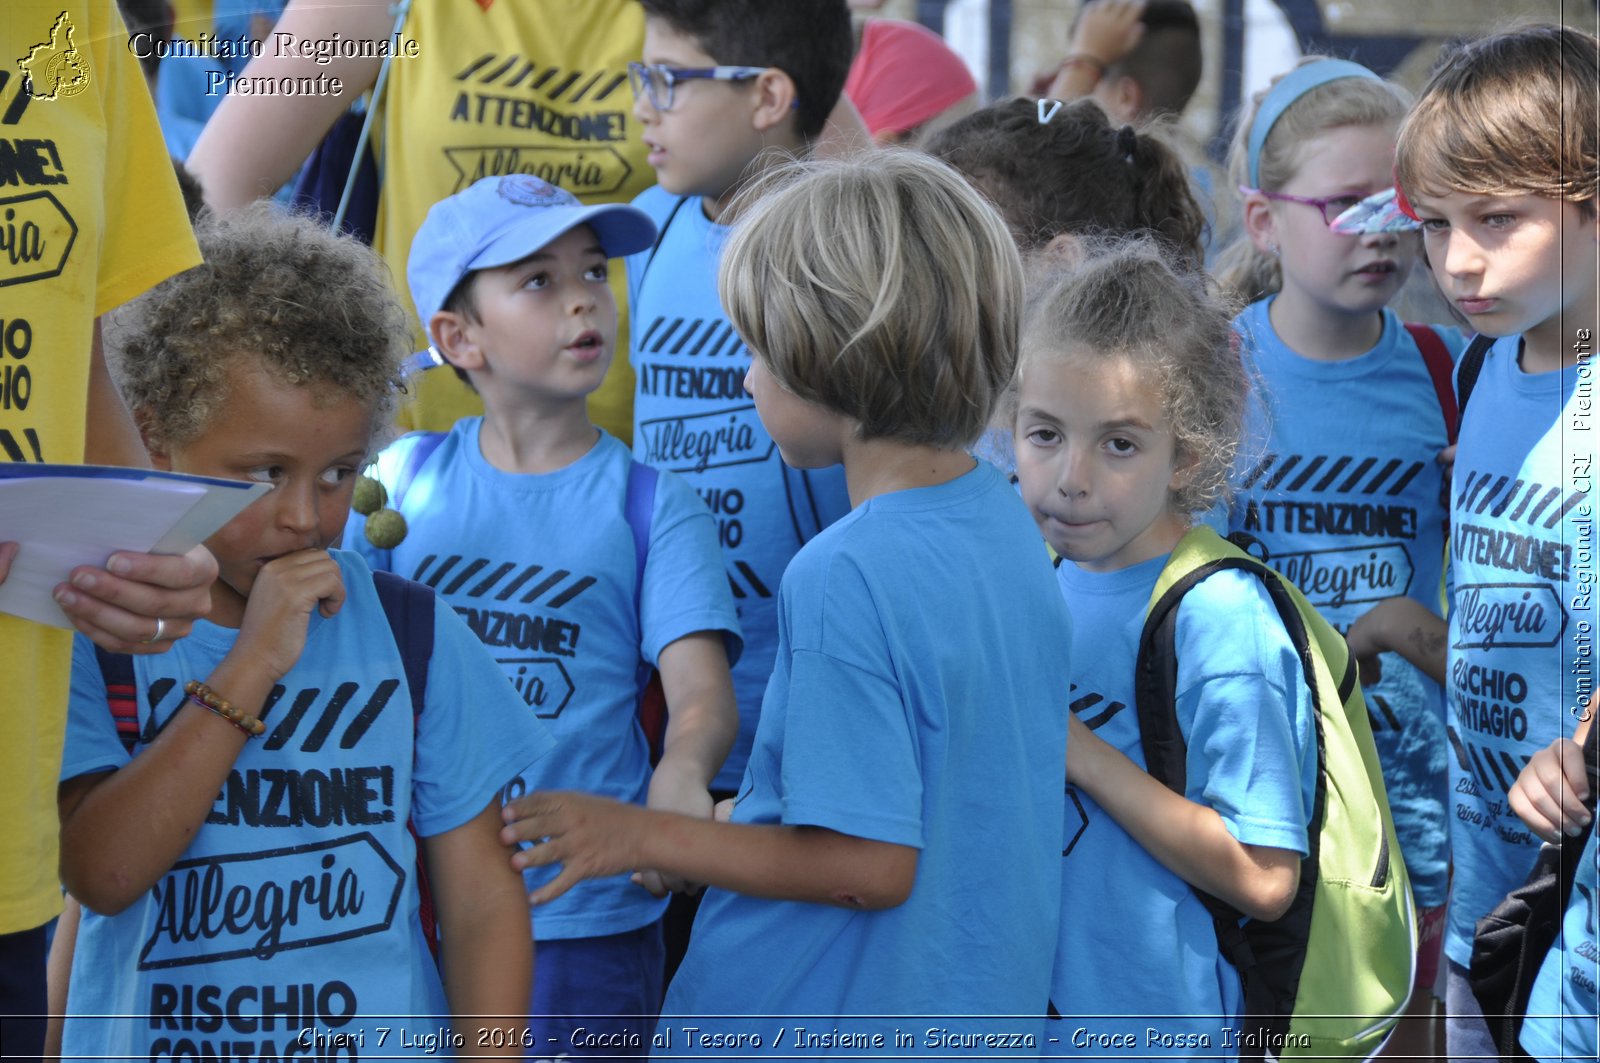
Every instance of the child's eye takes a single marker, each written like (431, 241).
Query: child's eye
(1435, 225)
(265, 474)
(1120, 445)
(1043, 437)
(1499, 221)
(337, 475)
(537, 281)
(597, 273)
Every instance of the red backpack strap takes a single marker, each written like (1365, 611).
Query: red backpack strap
(1442, 369)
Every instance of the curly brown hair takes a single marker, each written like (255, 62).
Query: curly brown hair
(1074, 172)
(1128, 299)
(316, 309)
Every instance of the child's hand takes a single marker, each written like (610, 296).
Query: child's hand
(672, 790)
(1548, 796)
(590, 837)
(1108, 30)
(136, 597)
(285, 592)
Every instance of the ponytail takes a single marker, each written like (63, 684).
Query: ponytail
(1056, 168)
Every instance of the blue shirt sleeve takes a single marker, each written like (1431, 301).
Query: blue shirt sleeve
(473, 735)
(685, 587)
(92, 744)
(1246, 712)
(850, 742)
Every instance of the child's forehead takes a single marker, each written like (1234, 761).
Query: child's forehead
(665, 43)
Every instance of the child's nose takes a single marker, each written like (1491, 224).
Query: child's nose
(297, 509)
(1461, 255)
(1074, 479)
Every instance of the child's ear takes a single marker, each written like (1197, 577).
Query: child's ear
(144, 420)
(452, 338)
(1261, 223)
(1122, 98)
(775, 99)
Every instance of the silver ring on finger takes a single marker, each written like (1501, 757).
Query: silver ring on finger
(161, 632)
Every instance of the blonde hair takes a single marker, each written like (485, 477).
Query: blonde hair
(315, 309)
(1511, 114)
(1126, 299)
(883, 288)
(1242, 269)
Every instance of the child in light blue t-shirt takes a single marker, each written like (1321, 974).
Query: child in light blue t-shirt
(1512, 242)
(579, 569)
(895, 848)
(243, 815)
(1339, 486)
(1129, 405)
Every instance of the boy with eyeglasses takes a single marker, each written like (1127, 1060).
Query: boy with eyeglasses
(727, 87)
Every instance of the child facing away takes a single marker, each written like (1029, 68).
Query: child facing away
(1499, 162)
(895, 849)
(235, 822)
(1129, 405)
(524, 521)
(1339, 482)
(722, 82)
(1059, 172)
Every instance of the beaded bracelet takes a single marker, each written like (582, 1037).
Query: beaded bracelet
(207, 698)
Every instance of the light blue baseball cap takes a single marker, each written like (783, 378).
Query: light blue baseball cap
(500, 220)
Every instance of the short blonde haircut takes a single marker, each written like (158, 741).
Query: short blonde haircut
(1510, 114)
(1242, 269)
(1126, 300)
(883, 288)
(315, 309)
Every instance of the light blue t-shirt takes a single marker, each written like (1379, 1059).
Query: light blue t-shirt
(1562, 1021)
(918, 699)
(542, 568)
(293, 913)
(691, 416)
(1340, 484)
(1522, 619)
(1138, 950)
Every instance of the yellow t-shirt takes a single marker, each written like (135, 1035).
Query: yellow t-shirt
(91, 216)
(512, 86)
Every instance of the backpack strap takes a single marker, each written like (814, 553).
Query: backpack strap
(1268, 1001)
(661, 234)
(1436, 356)
(638, 507)
(1469, 367)
(122, 694)
(415, 459)
(409, 609)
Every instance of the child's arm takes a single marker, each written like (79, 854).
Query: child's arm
(592, 837)
(483, 923)
(1189, 839)
(702, 721)
(122, 830)
(1549, 795)
(1403, 626)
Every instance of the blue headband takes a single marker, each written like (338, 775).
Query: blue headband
(1289, 88)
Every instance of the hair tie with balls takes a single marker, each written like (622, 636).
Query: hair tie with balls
(386, 528)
